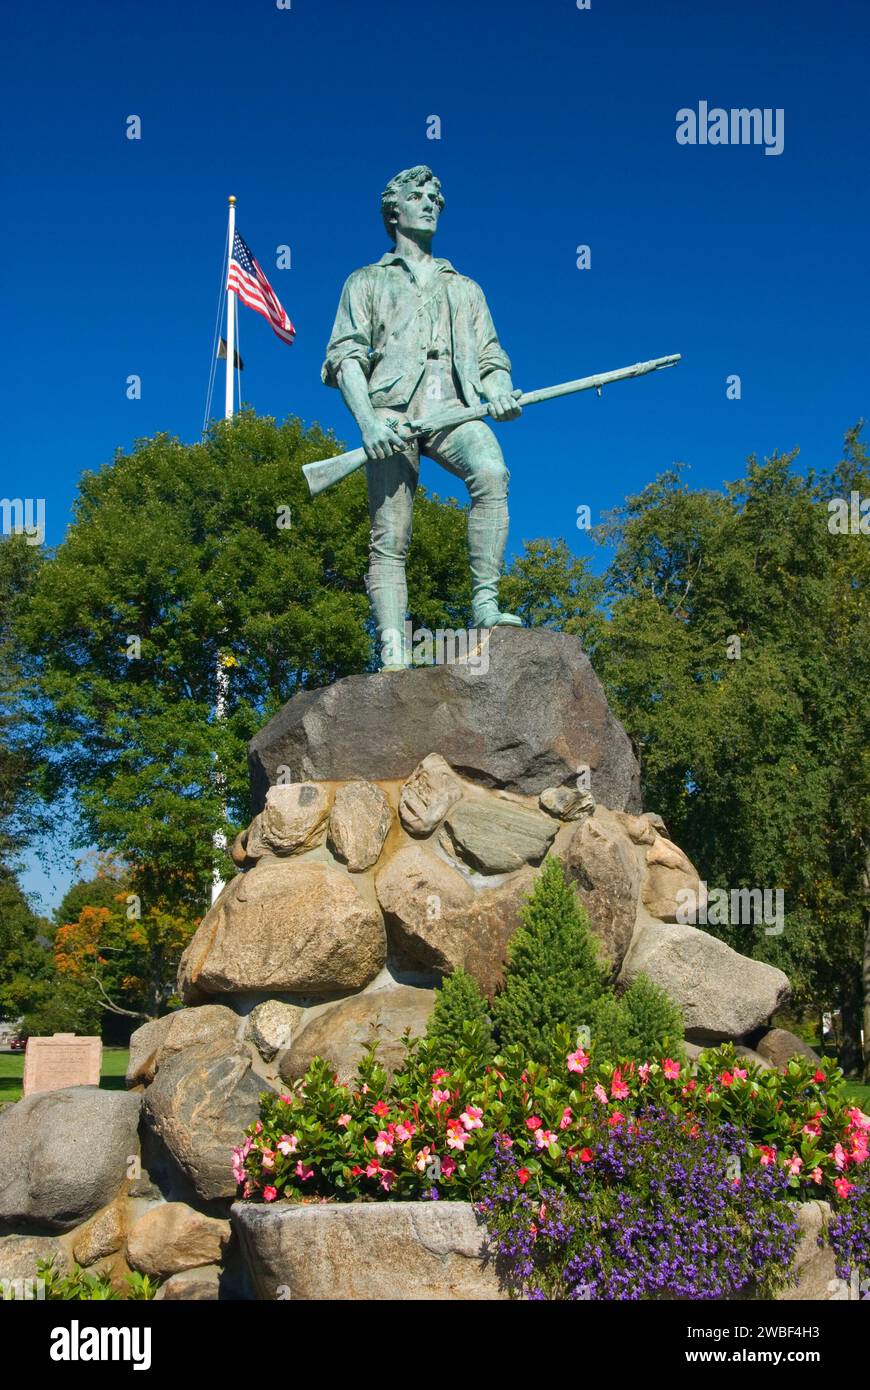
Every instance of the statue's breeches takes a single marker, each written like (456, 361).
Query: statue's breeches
(471, 452)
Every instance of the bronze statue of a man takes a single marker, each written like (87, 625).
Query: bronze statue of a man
(411, 334)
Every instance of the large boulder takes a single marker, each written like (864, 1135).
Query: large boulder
(778, 1046)
(722, 994)
(174, 1237)
(64, 1155)
(200, 1103)
(436, 920)
(535, 719)
(19, 1256)
(671, 883)
(103, 1235)
(602, 862)
(496, 837)
(271, 1025)
(155, 1041)
(362, 1250)
(359, 823)
(293, 820)
(285, 927)
(340, 1032)
(428, 794)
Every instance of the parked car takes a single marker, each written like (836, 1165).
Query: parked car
(18, 1044)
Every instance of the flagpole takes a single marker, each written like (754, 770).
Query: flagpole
(231, 318)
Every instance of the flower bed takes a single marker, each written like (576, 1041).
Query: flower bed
(594, 1181)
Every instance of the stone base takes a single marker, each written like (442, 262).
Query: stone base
(426, 1250)
(365, 1250)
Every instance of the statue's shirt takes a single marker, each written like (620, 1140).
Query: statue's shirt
(392, 326)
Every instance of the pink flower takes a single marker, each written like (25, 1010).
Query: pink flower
(343, 1120)
(249, 1189)
(471, 1117)
(303, 1172)
(739, 1074)
(839, 1156)
(858, 1118)
(671, 1069)
(269, 1194)
(456, 1135)
(768, 1154)
(615, 1119)
(544, 1138)
(618, 1088)
(577, 1061)
(819, 1075)
(523, 1176)
(585, 1155)
(372, 1168)
(388, 1177)
(404, 1131)
(448, 1166)
(860, 1148)
(288, 1144)
(438, 1073)
(795, 1165)
(600, 1094)
(567, 1117)
(506, 1140)
(383, 1143)
(812, 1127)
(258, 1128)
(288, 1100)
(817, 1175)
(727, 1079)
(533, 1122)
(422, 1160)
(267, 1160)
(380, 1108)
(439, 1097)
(643, 1072)
(843, 1186)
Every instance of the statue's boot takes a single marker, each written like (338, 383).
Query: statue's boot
(388, 595)
(487, 537)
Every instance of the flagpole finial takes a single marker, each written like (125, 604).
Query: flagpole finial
(231, 200)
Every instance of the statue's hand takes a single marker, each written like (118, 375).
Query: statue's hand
(380, 441)
(504, 407)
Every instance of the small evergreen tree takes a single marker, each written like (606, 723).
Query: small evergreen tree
(655, 1022)
(554, 974)
(460, 1021)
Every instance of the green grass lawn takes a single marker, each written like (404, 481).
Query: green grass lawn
(12, 1071)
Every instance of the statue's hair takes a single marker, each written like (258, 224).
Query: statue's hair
(408, 178)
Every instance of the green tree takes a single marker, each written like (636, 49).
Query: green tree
(737, 657)
(460, 1021)
(181, 557)
(26, 963)
(554, 973)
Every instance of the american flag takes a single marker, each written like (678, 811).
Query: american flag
(253, 289)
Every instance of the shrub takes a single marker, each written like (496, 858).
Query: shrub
(554, 974)
(460, 1022)
(555, 977)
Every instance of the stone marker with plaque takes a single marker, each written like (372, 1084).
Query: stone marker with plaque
(51, 1064)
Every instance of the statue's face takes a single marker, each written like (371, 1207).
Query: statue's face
(418, 210)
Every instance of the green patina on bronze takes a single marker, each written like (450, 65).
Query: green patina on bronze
(412, 334)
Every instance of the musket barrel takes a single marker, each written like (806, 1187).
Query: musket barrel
(323, 473)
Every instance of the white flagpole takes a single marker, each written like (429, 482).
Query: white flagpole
(231, 317)
(222, 677)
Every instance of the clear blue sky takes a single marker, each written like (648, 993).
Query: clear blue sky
(558, 128)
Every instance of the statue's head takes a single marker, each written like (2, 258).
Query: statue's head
(413, 199)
